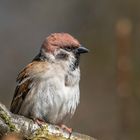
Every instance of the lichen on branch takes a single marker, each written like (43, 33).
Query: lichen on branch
(32, 131)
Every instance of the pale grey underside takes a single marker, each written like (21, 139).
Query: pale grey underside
(54, 95)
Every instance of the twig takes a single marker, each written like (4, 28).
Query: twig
(30, 130)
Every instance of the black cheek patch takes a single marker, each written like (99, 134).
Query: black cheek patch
(62, 55)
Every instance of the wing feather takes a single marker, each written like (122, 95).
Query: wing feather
(20, 93)
(24, 80)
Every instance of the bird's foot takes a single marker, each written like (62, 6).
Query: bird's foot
(64, 127)
(40, 122)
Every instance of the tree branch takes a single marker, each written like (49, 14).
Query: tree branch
(30, 130)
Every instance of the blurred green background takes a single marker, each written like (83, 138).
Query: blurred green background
(110, 79)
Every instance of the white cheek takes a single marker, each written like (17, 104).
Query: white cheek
(50, 56)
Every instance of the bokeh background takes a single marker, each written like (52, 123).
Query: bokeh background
(110, 81)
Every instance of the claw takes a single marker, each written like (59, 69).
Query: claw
(40, 122)
(64, 127)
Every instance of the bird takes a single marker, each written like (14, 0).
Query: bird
(48, 87)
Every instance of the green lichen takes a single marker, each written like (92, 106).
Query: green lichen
(7, 119)
(43, 134)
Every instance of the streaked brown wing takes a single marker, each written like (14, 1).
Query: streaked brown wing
(21, 90)
(24, 80)
(20, 93)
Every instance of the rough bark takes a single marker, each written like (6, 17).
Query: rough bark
(30, 130)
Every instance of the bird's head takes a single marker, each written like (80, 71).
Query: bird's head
(62, 47)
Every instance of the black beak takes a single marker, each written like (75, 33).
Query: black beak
(82, 49)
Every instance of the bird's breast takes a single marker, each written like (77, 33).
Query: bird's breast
(62, 91)
(54, 96)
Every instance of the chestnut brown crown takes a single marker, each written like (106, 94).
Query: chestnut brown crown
(61, 46)
(59, 40)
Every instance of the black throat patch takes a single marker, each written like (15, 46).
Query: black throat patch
(76, 63)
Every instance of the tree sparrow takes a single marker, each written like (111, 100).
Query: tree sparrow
(48, 88)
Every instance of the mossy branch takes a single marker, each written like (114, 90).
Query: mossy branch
(30, 130)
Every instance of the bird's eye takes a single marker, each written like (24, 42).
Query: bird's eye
(68, 49)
